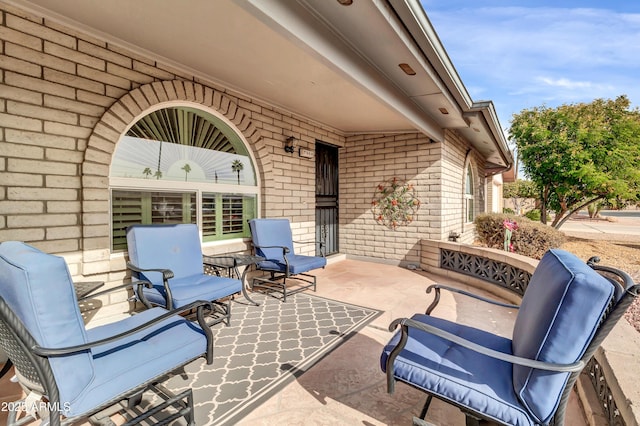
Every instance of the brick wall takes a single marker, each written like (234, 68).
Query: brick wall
(366, 162)
(66, 98)
(455, 157)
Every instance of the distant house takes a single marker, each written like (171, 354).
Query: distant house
(214, 112)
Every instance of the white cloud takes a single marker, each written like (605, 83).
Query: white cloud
(566, 83)
(521, 57)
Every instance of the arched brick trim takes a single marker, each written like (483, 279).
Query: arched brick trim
(117, 119)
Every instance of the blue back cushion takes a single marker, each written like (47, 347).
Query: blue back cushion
(38, 288)
(271, 232)
(559, 315)
(175, 247)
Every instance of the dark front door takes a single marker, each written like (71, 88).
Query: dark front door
(327, 196)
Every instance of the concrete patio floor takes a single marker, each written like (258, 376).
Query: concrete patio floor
(347, 387)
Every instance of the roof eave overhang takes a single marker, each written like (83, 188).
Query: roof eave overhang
(488, 130)
(298, 23)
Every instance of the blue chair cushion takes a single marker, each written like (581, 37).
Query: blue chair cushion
(559, 315)
(277, 233)
(195, 287)
(136, 359)
(457, 374)
(38, 288)
(175, 247)
(271, 232)
(297, 264)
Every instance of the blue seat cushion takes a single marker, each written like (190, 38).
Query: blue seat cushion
(274, 233)
(558, 317)
(194, 287)
(137, 359)
(297, 264)
(457, 374)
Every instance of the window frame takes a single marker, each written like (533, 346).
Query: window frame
(199, 188)
(469, 195)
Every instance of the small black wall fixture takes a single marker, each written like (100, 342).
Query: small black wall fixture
(288, 145)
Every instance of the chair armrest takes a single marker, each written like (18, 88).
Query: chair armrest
(436, 297)
(198, 305)
(624, 281)
(285, 249)
(406, 323)
(167, 274)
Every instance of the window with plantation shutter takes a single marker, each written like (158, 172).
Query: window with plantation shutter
(232, 213)
(209, 215)
(182, 165)
(126, 209)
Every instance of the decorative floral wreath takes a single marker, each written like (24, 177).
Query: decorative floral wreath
(394, 203)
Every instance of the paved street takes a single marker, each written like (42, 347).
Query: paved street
(620, 226)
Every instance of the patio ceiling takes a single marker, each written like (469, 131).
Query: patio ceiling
(337, 65)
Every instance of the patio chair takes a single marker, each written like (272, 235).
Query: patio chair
(69, 373)
(567, 310)
(170, 258)
(273, 240)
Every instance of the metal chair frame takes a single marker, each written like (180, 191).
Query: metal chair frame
(277, 280)
(220, 312)
(615, 311)
(32, 366)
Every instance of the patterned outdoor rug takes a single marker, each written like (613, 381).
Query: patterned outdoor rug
(265, 348)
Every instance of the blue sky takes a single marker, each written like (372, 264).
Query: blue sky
(523, 54)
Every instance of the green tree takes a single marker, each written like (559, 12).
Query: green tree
(147, 172)
(578, 154)
(519, 191)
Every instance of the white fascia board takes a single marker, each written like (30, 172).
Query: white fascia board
(490, 115)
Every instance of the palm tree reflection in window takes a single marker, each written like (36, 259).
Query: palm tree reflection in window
(187, 169)
(237, 167)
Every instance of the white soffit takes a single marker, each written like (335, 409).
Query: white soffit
(221, 42)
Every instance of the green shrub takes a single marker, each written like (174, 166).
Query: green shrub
(507, 210)
(531, 238)
(534, 215)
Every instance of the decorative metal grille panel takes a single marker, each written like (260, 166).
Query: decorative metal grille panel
(605, 396)
(493, 271)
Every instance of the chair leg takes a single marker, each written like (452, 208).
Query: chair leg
(425, 408)
(284, 289)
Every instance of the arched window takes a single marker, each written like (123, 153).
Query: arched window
(182, 165)
(468, 196)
